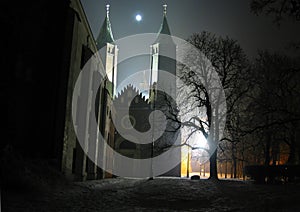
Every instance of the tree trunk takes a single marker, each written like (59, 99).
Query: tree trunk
(234, 168)
(213, 166)
(292, 153)
(267, 150)
(243, 174)
(226, 168)
(233, 159)
(188, 165)
(275, 153)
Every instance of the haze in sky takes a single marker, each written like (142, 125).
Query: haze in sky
(231, 18)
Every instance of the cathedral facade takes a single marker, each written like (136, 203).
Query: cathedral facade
(75, 161)
(140, 108)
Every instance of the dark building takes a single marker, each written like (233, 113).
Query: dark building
(36, 63)
(45, 47)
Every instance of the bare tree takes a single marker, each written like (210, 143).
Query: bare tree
(280, 9)
(229, 61)
(273, 110)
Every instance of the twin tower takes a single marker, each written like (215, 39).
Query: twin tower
(162, 46)
(162, 75)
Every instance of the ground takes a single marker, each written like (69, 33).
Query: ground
(160, 194)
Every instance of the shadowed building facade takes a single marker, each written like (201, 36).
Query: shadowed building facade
(50, 42)
(84, 166)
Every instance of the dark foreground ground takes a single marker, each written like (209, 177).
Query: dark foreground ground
(160, 194)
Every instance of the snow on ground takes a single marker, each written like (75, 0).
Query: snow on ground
(160, 194)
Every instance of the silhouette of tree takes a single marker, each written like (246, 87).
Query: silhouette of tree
(273, 113)
(280, 9)
(230, 62)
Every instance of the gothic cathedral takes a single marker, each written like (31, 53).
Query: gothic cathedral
(162, 59)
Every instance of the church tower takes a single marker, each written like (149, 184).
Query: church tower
(108, 52)
(163, 90)
(163, 56)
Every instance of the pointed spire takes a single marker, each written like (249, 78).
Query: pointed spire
(105, 36)
(164, 28)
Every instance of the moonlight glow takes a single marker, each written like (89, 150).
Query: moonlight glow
(138, 17)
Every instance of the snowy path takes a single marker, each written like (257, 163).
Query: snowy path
(160, 194)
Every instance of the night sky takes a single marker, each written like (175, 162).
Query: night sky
(226, 18)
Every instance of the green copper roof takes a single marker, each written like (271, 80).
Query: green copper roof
(164, 28)
(105, 35)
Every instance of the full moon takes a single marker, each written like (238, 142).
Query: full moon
(138, 17)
